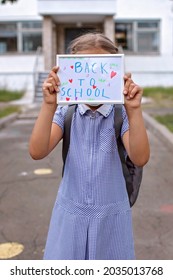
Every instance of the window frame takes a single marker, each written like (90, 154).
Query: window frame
(135, 31)
(9, 33)
(20, 32)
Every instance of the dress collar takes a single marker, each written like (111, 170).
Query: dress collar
(104, 110)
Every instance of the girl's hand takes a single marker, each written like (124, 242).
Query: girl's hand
(132, 93)
(51, 87)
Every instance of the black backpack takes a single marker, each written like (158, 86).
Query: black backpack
(132, 173)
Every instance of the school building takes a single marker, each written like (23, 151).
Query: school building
(33, 32)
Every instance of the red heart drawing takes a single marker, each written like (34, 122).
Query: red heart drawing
(71, 80)
(71, 66)
(94, 87)
(113, 74)
(67, 98)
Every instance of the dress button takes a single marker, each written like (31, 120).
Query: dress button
(92, 115)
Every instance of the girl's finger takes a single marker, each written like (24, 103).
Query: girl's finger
(127, 76)
(131, 87)
(53, 74)
(127, 85)
(49, 88)
(55, 69)
(52, 81)
(136, 89)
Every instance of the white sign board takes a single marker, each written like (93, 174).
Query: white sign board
(91, 78)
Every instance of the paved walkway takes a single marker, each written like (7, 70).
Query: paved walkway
(28, 190)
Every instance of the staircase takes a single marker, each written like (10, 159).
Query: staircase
(38, 87)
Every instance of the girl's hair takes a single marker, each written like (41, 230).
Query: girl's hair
(90, 41)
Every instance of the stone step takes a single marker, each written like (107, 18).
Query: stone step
(38, 93)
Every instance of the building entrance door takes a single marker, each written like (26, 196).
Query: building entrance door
(72, 33)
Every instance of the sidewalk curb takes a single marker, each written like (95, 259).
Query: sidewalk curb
(159, 130)
(156, 128)
(6, 120)
(18, 115)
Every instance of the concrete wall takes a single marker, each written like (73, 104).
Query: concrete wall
(151, 70)
(48, 7)
(151, 9)
(22, 9)
(17, 71)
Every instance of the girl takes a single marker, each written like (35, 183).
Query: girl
(91, 218)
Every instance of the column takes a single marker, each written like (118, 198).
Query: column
(109, 28)
(48, 42)
(54, 44)
(61, 39)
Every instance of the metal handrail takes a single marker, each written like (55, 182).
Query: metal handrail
(35, 69)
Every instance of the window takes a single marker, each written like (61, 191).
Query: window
(20, 36)
(147, 37)
(32, 24)
(8, 37)
(141, 37)
(124, 33)
(31, 33)
(31, 42)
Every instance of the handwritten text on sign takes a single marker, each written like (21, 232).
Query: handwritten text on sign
(91, 78)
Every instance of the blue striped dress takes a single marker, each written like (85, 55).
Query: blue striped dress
(91, 218)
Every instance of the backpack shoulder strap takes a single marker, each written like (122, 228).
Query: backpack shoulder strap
(118, 121)
(67, 129)
(126, 162)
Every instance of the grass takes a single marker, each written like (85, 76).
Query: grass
(166, 120)
(159, 95)
(7, 95)
(161, 98)
(8, 110)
